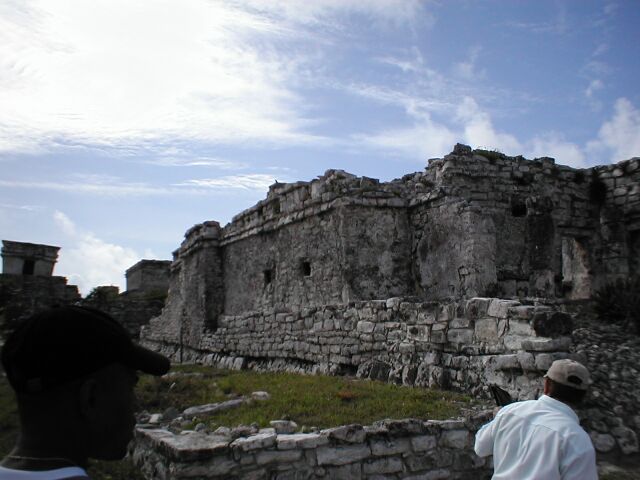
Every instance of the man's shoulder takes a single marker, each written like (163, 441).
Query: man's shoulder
(516, 406)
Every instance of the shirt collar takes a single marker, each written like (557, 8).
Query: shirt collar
(558, 405)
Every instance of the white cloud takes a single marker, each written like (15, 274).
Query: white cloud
(87, 187)
(468, 69)
(478, 129)
(196, 161)
(424, 140)
(118, 72)
(619, 137)
(88, 261)
(244, 182)
(593, 87)
(553, 145)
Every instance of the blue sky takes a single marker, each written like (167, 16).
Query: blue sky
(124, 123)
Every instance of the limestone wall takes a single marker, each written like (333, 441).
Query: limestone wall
(148, 276)
(474, 223)
(23, 295)
(405, 449)
(464, 345)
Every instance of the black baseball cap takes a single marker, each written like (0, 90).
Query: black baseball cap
(62, 344)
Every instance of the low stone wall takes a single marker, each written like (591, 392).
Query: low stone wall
(463, 345)
(390, 449)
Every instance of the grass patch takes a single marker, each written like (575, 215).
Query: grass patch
(318, 401)
(323, 401)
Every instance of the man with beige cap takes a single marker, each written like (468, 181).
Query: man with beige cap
(542, 439)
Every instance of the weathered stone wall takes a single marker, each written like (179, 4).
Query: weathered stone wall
(327, 258)
(130, 310)
(534, 228)
(474, 223)
(405, 449)
(20, 258)
(463, 345)
(148, 276)
(23, 295)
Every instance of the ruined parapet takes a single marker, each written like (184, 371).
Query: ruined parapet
(196, 293)
(148, 276)
(20, 258)
(398, 448)
(474, 223)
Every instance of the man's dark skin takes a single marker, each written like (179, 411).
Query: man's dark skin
(90, 417)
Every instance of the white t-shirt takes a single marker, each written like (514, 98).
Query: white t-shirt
(57, 474)
(537, 440)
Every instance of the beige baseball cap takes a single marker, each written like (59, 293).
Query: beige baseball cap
(570, 373)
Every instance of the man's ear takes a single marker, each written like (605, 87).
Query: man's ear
(547, 386)
(88, 398)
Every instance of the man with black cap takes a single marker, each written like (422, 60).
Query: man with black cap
(73, 370)
(542, 439)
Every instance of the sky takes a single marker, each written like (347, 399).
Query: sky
(122, 124)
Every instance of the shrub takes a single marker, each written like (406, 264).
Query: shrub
(619, 302)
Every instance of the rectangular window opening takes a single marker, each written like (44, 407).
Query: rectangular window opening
(305, 268)
(28, 268)
(268, 276)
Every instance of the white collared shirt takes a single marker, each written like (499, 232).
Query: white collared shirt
(537, 440)
(57, 474)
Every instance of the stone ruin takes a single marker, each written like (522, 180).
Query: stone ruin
(27, 283)
(144, 298)
(464, 275)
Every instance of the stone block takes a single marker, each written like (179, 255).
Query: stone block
(254, 442)
(455, 438)
(365, 327)
(301, 440)
(418, 332)
(284, 426)
(383, 465)
(278, 456)
(383, 447)
(477, 307)
(486, 330)
(440, 474)
(627, 440)
(521, 328)
(527, 361)
(500, 308)
(342, 455)
(346, 433)
(460, 322)
(460, 335)
(507, 362)
(346, 472)
(602, 442)
(514, 342)
(422, 443)
(547, 344)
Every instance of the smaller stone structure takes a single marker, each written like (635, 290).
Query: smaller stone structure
(19, 258)
(148, 276)
(147, 286)
(27, 284)
(402, 449)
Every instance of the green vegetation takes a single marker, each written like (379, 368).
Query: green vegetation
(319, 401)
